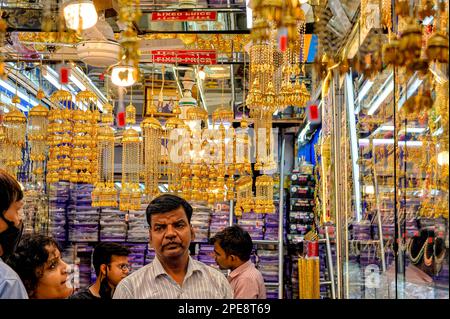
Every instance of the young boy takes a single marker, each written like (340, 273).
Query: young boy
(233, 247)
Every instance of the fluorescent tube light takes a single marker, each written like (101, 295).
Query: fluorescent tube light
(380, 97)
(22, 96)
(388, 141)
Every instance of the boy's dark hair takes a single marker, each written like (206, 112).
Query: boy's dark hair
(29, 258)
(167, 203)
(104, 251)
(10, 191)
(235, 241)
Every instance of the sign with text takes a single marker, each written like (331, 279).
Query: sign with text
(313, 114)
(183, 56)
(184, 16)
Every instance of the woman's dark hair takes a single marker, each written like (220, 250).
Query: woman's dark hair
(167, 203)
(30, 257)
(235, 241)
(10, 191)
(103, 253)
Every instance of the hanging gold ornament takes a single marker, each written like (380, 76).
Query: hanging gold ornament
(437, 48)
(130, 196)
(152, 134)
(264, 140)
(60, 133)
(105, 194)
(15, 128)
(264, 195)
(85, 132)
(410, 43)
(244, 195)
(37, 135)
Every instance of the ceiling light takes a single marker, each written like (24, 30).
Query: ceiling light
(123, 75)
(201, 74)
(442, 158)
(80, 14)
(369, 189)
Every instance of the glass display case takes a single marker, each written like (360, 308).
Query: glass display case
(384, 173)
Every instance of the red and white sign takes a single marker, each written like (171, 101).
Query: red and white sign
(184, 16)
(313, 249)
(64, 73)
(183, 56)
(313, 114)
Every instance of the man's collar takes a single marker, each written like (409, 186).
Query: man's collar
(239, 270)
(191, 268)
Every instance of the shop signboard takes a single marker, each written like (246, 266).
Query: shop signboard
(313, 113)
(183, 16)
(202, 57)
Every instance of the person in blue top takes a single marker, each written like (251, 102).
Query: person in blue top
(11, 226)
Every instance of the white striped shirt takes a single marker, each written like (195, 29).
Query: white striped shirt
(153, 282)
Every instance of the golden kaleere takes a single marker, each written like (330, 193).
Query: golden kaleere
(84, 154)
(264, 195)
(60, 130)
(244, 195)
(223, 166)
(15, 128)
(174, 130)
(152, 135)
(37, 135)
(130, 196)
(105, 194)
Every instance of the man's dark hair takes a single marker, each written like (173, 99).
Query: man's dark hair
(10, 191)
(167, 203)
(103, 253)
(29, 258)
(235, 241)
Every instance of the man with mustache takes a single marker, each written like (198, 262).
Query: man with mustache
(173, 273)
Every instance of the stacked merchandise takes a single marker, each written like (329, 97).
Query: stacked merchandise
(220, 219)
(149, 255)
(206, 255)
(84, 257)
(59, 194)
(254, 224)
(136, 257)
(83, 219)
(200, 221)
(271, 225)
(301, 216)
(112, 225)
(137, 226)
(267, 263)
(294, 284)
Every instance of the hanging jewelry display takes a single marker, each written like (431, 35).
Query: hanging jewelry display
(60, 130)
(176, 126)
(130, 196)
(15, 128)
(263, 140)
(244, 195)
(152, 134)
(105, 194)
(264, 195)
(85, 130)
(37, 136)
